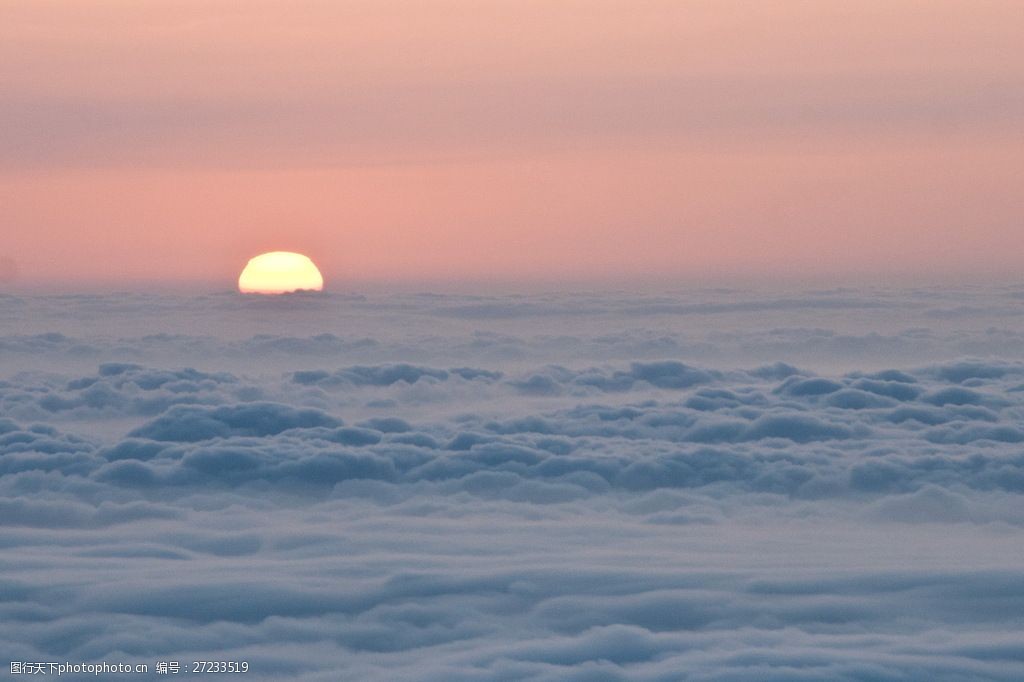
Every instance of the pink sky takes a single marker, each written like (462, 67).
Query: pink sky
(394, 140)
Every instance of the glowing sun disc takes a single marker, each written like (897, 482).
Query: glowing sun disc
(280, 272)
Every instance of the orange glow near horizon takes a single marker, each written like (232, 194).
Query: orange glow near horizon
(280, 272)
(459, 140)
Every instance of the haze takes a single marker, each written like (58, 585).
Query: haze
(393, 141)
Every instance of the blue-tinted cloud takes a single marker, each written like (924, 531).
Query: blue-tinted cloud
(609, 499)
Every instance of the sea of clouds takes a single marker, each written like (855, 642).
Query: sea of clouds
(689, 485)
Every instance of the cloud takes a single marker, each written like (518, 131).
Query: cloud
(930, 504)
(960, 372)
(823, 331)
(189, 424)
(119, 389)
(387, 375)
(511, 502)
(51, 514)
(670, 375)
(693, 428)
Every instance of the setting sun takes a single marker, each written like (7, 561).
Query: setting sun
(280, 272)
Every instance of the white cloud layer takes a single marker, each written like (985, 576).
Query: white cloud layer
(327, 508)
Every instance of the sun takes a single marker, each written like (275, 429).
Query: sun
(280, 272)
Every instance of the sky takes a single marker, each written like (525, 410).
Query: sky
(526, 141)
